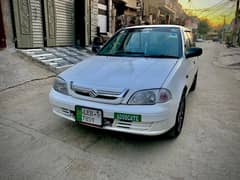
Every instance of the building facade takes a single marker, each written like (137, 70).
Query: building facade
(130, 11)
(163, 12)
(51, 23)
(123, 11)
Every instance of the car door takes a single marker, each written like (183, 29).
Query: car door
(193, 59)
(190, 63)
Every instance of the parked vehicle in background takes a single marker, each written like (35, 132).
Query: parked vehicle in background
(199, 40)
(229, 42)
(137, 83)
(215, 39)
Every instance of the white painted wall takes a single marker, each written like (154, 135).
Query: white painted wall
(102, 23)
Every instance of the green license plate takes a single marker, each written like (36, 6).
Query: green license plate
(88, 115)
(128, 117)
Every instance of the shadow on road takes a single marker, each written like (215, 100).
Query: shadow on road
(85, 137)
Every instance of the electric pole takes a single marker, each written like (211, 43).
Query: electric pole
(223, 31)
(235, 37)
(236, 12)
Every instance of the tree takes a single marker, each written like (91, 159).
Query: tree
(203, 27)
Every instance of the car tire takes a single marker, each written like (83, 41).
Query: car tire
(194, 84)
(177, 128)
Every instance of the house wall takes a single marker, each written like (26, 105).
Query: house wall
(110, 14)
(91, 20)
(164, 11)
(94, 18)
(131, 3)
(8, 24)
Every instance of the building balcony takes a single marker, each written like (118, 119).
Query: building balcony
(167, 6)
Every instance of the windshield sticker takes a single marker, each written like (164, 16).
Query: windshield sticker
(147, 30)
(174, 30)
(173, 35)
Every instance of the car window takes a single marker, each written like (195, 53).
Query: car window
(136, 42)
(144, 42)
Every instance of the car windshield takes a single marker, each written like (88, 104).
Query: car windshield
(161, 42)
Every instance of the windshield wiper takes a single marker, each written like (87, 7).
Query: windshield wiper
(128, 52)
(161, 56)
(141, 53)
(131, 52)
(123, 53)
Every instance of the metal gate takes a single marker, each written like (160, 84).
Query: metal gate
(58, 23)
(28, 23)
(50, 22)
(59, 18)
(64, 22)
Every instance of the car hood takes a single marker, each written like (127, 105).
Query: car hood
(109, 72)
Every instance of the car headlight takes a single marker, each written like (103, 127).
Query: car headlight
(150, 97)
(60, 85)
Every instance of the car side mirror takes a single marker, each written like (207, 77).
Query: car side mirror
(193, 52)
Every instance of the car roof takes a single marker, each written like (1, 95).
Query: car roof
(158, 26)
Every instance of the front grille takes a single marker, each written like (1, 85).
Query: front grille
(106, 97)
(98, 93)
(98, 96)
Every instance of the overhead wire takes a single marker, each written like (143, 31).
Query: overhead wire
(218, 9)
(215, 5)
(212, 8)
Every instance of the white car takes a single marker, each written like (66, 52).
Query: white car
(137, 83)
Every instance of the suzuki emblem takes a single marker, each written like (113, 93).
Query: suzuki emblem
(93, 93)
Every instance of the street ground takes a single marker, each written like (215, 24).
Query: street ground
(36, 144)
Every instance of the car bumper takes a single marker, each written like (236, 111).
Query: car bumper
(156, 119)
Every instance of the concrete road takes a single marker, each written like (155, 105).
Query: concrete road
(15, 71)
(35, 144)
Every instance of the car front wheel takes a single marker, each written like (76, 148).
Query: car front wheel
(194, 84)
(177, 128)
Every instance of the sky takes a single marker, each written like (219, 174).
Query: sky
(213, 10)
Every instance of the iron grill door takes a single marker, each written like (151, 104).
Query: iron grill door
(50, 22)
(64, 22)
(28, 22)
(37, 24)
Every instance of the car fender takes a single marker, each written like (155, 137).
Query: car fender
(176, 82)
